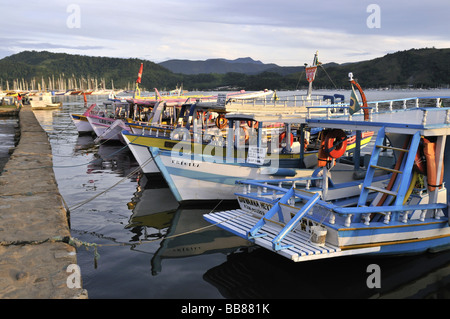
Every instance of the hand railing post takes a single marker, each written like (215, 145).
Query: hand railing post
(276, 243)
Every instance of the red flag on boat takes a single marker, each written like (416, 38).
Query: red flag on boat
(140, 74)
(310, 73)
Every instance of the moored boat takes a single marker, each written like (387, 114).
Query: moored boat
(399, 206)
(81, 122)
(44, 101)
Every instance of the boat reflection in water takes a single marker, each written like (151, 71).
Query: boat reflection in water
(263, 274)
(167, 230)
(114, 157)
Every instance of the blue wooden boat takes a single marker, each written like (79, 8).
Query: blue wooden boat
(399, 206)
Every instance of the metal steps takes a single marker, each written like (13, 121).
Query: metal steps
(402, 175)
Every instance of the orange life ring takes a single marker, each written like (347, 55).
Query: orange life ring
(282, 139)
(221, 121)
(336, 143)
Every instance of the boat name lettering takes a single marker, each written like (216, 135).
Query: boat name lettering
(253, 205)
(185, 163)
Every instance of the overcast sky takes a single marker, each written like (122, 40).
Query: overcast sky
(285, 32)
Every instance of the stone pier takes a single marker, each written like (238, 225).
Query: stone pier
(36, 261)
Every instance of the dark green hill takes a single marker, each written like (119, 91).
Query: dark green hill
(32, 64)
(412, 68)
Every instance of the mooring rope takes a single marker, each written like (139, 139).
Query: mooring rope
(75, 242)
(111, 187)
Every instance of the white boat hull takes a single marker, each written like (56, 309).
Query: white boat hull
(143, 156)
(196, 180)
(43, 101)
(81, 123)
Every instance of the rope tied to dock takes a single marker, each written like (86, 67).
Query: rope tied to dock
(77, 243)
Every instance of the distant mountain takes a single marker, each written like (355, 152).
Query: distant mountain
(243, 60)
(222, 66)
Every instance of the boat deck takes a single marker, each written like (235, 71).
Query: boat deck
(240, 222)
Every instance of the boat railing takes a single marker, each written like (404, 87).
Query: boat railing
(426, 104)
(391, 213)
(160, 130)
(285, 101)
(272, 190)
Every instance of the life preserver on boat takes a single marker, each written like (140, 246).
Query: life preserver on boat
(335, 143)
(322, 155)
(253, 124)
(221, 121)
(283, 137)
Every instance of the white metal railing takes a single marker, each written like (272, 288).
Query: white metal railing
(285, 101)
(272, 190)
(375, 107)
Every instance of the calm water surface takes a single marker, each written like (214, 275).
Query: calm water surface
(7, 133)
(150, 248)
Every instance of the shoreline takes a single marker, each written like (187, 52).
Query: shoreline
(36, 259)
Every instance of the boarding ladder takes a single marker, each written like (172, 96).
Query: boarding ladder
(401, 174)
(277, 209)
(278, 236)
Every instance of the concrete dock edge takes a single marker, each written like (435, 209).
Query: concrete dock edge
(36, 262)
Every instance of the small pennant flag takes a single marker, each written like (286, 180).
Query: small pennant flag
(354, 104)
(310, 73)
(140, 74)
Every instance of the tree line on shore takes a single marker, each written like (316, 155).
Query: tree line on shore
(32, 70)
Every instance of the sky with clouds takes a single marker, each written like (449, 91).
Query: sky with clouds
(285, 32)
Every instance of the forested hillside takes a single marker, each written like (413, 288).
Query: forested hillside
(121, 72)
(414, 68)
